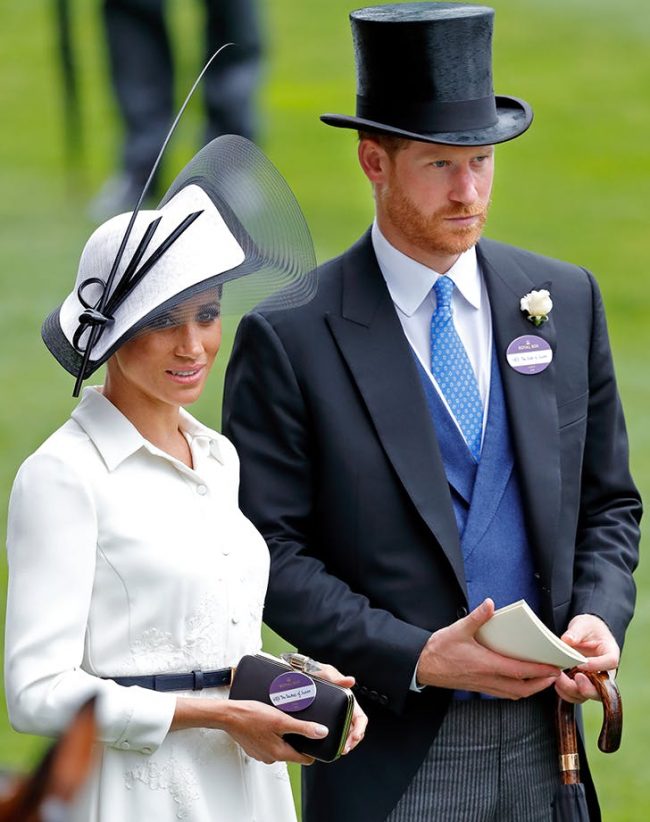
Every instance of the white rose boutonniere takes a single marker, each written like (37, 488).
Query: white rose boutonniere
(538, 305)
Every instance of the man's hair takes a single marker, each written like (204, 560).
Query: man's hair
(389, 142)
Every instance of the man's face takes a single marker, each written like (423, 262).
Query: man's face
(434, 199)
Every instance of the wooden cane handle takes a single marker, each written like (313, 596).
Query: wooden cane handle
(612, 728)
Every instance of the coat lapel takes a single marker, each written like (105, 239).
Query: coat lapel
(372, 342)
(530, 400)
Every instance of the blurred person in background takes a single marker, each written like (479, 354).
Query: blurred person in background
(438, 432)
(142, 78)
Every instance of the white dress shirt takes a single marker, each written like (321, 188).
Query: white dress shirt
(410, 285)
(124, 561)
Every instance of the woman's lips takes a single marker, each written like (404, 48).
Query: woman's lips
(186, 376)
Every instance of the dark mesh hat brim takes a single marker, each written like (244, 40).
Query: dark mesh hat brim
(514, 118)
(263, 215)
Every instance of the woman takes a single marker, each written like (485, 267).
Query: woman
(128, 554)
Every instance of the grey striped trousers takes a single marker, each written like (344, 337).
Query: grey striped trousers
(492, 761)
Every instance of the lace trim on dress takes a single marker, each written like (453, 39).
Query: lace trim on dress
(205, 635)
(169, 775)
(165, 772)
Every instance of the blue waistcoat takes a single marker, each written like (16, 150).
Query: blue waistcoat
(487, 502)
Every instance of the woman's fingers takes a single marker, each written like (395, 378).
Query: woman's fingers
(359, 719)
(333, 675)
(287, 753)
(312, 730)
(357, 728)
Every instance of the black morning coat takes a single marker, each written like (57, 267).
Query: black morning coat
(342, 474)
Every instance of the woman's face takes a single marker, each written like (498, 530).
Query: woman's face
(171, 364)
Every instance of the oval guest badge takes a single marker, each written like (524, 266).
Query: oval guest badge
(529, 354)
(292, 691)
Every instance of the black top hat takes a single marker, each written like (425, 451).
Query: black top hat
(424, 72)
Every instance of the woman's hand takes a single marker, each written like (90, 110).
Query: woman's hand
(259, 729)
(256, 727)
(359, 719)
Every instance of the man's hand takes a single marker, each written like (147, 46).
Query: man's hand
(452, 658)
(589, 635)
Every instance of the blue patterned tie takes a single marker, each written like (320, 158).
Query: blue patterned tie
(452, 370)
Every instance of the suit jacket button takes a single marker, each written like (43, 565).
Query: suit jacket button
(383, 699)
(363, 689)
(373, 695)
(461, 611)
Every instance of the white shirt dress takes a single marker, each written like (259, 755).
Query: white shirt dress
(124, 561)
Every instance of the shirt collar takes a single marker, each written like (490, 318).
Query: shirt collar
(115, 436)
(197, 431)
(410, 282)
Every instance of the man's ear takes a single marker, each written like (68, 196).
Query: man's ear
(374, 161)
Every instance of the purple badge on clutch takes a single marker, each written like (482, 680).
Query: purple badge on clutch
(529, 354)
(292, 691)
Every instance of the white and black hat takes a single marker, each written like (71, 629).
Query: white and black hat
(228, 218)
(424, 72)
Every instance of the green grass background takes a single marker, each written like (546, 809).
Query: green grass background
(576, 186)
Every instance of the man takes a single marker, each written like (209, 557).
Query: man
(417, 447)
(142, 77)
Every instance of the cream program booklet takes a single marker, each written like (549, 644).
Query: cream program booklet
(516, 631)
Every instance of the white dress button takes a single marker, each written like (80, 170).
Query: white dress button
(124, 746)
(202, 490)
(234, 620)
(147, 750)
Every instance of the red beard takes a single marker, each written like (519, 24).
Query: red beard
(432, 232)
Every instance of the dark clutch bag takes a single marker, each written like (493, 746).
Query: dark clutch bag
(265, 678)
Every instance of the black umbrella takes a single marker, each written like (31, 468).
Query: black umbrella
(570, 801)
(570, 804)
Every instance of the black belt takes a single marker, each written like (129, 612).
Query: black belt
(194, 681)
